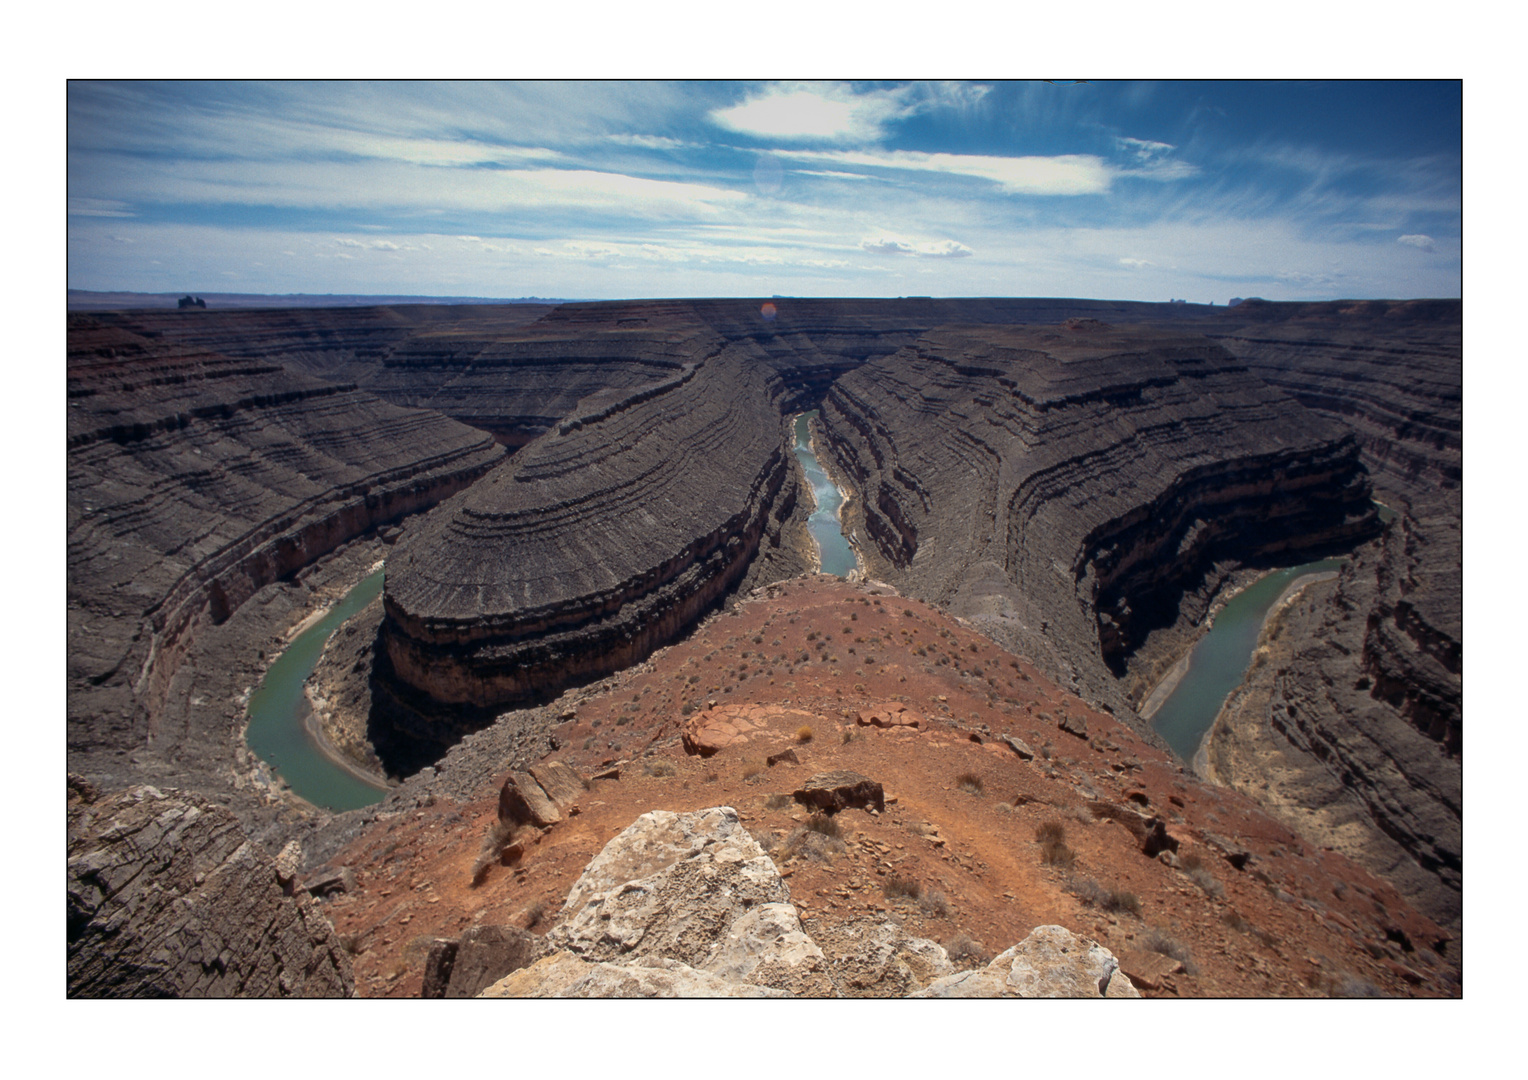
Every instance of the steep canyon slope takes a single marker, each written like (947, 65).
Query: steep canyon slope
(195, 481)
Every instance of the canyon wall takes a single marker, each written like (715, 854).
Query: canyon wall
(1366, 699)
(1064, 487)
(600, 541)
(195, 480)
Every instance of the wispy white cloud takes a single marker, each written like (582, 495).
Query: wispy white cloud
(85, 207)
(1416, 240)
(1064, 174)
(817, 112)
(938, 249)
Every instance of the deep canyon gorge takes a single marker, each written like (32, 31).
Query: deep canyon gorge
(566, 497)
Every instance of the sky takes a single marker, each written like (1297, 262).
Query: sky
(1196, 190)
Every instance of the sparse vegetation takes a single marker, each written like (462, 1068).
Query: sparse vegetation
(534, 914)
(1053, 848)
(896, 887)
(966, 952)
(848, 737)
(777, 801)
(970, 783)
(752, 769)
(1193, 867)
(712, 776)
(826, 824)
(803, 734)
(934, 904)
(658, 767)
(1158, 941)
(498, 837)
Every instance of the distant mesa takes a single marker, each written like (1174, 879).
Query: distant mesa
(189, 301)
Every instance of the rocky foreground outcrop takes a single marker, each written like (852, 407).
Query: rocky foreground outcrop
(1065, 487)
(689, 905)
(169, 898)
(596, 544)
(195, 480)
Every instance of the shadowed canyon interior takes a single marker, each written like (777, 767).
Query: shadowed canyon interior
(1081, 481)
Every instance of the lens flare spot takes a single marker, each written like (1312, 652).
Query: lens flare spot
(768, 311)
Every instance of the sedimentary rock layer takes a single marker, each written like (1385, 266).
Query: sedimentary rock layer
(1065, 486)
(168, 898)
(598, 542)
(1371, 699)
(195, 479)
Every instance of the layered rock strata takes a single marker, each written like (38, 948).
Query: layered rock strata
(168, 898)
(1065, 487)
(597, 543)
(195, 480)
(1359, 716)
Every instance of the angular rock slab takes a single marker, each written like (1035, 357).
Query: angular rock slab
(835, 791)
(483, 956)
(889, 715)
(670, 885)
(524, 802)
(1052, 962)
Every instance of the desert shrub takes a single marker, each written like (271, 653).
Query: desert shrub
(854, 616)
(498, 836)
(686, 709)
(895, 887)
(534, 914)
(351, 943)
(1057, 854)
(965, 951)
(1121, 900)
(1234, 920)
(848, 737)
(712, 776)
(752, 769)
(658, 767)
(777, 801)
(1158, 941)
(1050, 832)
(826, 824)
(803, 734)
(934, 904)
(969, 782)
(1206, 881)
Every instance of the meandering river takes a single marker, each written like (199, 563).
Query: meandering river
(834, 552)
(278, 713)
(1220, 658)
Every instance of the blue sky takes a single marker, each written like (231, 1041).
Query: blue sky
(1142, 191)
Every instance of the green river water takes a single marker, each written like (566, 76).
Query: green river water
(834, 552)
(1220, 658)
(277, 711)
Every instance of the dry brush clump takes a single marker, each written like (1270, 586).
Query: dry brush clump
(970, 783)
(803, 734)
(1196, 871)
(896, 887)
(966, 952)
(1051, 835)
(498, 836)
(934, 904)
(1158, 941)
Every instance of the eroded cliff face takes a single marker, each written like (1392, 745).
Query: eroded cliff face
(195, 480)
(1365, 699)
(1066, 487)
(597, 543)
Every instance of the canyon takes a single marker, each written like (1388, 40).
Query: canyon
(561, 494)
